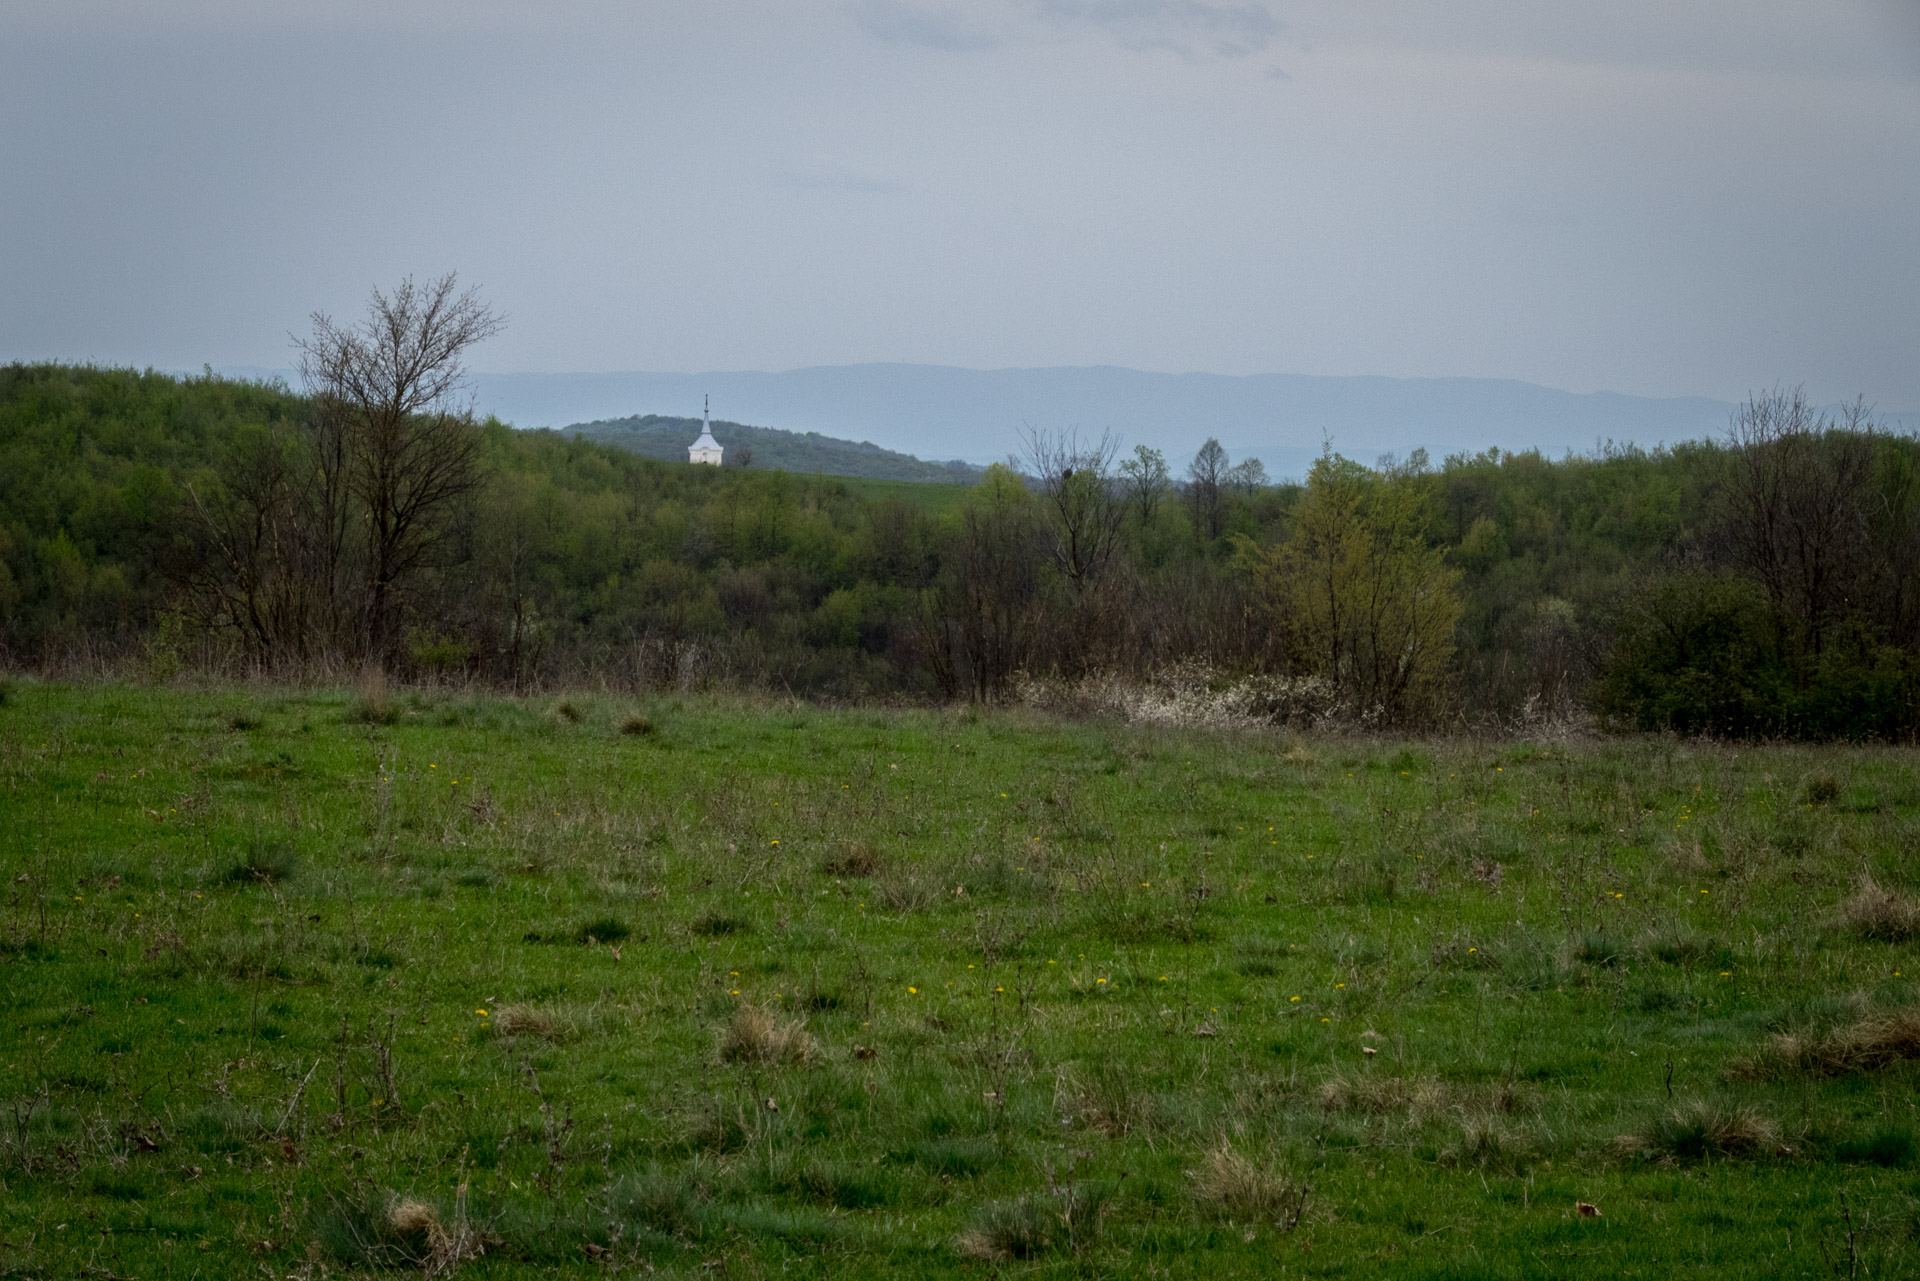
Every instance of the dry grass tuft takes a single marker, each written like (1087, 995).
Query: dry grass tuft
(1386, 1095)
(372, 704)
(510, 1021)
(1068, 1218)
(901, 893)
(1694, 1131)
(1820, 789)
(1424, 1098)
(568, 711)
(636, 725)
(418, 1219)
(1874, 1042)
(860, 859)
(1486, 1141)
(1237, 1188)
(439, 1248)
(1876, 912)
(1678, 945)
(1006, 1231)
(755, 1036)
(1106, 1096)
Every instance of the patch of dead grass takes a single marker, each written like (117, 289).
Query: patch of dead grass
(858, 859)
(755, 1036)
(1386, 1095)
(1876, 912)
(1423, 1098)
(511, 1021)
(1876, 1041)
(1237, 1188)
(440, 1248)
(1695, 1131)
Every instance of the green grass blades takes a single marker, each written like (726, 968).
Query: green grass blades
(504, 987)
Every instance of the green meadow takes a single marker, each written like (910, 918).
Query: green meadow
(311, 984)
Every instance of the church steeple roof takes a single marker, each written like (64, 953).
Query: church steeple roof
(706, 440)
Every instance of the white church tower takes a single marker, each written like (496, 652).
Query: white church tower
(706, 449)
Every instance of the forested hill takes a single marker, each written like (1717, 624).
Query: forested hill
(770, 449)
(1760, 585)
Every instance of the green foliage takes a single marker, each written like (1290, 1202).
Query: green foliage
(1368, 602)
(1700, 654)
(1498, 589)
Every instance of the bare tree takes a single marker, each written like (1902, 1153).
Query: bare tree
(1248, 477)
(243, 571)
(390, 430)
(1146, 480)
(976, 621)
(1207, 480)
(1075, 480)
(1801, 507)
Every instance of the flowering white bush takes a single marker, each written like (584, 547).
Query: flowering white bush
(1193, 695)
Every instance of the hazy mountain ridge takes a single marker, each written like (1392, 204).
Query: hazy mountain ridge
(1281, 418)
(978, 414)
(667, 438)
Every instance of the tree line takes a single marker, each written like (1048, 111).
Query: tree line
(1763, 584)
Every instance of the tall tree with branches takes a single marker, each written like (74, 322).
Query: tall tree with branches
(1368, 602)
(392, 431)
(1801, 507)
(1146, 481)
(1208, 477)
(1075, 481)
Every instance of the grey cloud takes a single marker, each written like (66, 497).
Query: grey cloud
(825, 173)
(896, 22)
(1225, 30)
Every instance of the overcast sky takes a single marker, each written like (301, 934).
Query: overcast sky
(1647, 197)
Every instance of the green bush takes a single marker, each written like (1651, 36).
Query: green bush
(1701, 654)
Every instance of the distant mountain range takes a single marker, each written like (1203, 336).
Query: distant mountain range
(654, 436)
(940, 411)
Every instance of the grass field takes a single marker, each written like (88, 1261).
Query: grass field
(296, 984)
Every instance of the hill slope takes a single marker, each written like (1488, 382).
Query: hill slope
(657, 436)
(979, 413)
